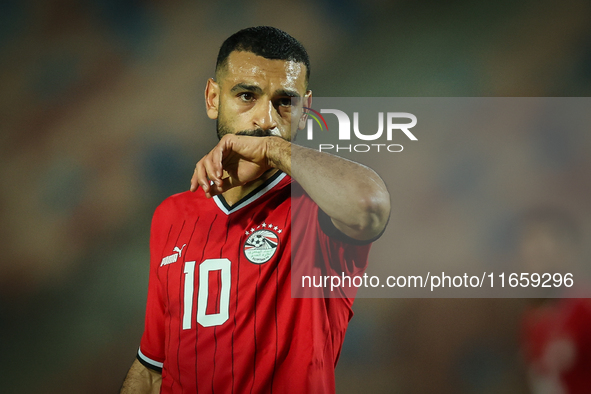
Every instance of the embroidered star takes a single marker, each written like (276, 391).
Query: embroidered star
(279, 231)
(247, 233)
(252, 230)
(275, 228)
(270, 225)
(264, 225)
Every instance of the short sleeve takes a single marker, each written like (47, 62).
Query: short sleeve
(321, 253)
(151, 351)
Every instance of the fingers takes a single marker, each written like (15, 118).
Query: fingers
(241, 158)
(211, 188)
(215, 169)
(199, 177)
(208, 172)
(195, 178)
(225, 184)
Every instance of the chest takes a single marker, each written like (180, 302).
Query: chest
(210, 260)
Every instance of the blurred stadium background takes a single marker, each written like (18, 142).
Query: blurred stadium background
(102, 117)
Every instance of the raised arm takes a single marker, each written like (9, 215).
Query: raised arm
(141, 380)
(353, 195)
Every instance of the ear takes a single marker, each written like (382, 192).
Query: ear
(212, 98)
(306, 102)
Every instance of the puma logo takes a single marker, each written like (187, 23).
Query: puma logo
(180, 251)
(173, 257)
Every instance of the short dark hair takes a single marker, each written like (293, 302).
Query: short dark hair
(266, 41)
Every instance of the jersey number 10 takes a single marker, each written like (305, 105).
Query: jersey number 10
(213, 319)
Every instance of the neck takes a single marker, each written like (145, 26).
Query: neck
(235, 194)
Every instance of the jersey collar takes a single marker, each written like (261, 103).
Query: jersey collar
(250, 197)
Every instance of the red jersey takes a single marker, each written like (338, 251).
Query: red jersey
(220, 314)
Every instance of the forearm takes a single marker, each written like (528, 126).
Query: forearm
(353, 195)
(141, 380)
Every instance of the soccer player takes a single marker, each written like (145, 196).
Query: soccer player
(220, 313)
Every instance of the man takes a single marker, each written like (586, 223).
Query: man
(220, 313)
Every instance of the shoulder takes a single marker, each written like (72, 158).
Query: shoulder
(184, 203)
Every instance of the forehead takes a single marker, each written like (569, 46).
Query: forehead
(246, 67)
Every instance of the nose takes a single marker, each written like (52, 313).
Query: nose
(264, 115)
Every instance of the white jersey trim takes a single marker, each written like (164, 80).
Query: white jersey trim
(252, 198)
(149, 360)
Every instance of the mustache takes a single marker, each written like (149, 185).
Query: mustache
(256, 133)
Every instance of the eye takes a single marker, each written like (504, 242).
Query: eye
(247, 97)
(284, 102)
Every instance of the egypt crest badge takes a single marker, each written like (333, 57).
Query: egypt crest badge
(261, 243)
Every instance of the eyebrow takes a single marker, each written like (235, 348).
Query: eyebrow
(287, 93)
(256, 89)
(246, 87)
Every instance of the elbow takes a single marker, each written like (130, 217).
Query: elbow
(374, 211)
